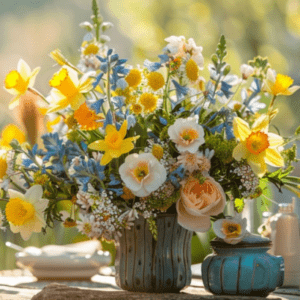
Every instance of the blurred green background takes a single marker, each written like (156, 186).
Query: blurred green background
(33, 28)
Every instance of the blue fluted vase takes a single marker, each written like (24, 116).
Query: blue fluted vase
(242, 269)
(146, 265)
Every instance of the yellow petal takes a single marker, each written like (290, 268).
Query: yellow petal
(115, 153)
(127, 146)
(77, 101)
(52, 123)
(275, 140)
(14, 102)
(261, 123)
(106, 158)
(42, 110)
(110, 129)
(98, 89)
(259, 168)
(134, 138)
(99, 145)
(240, 151)
(61, 104)
(123, 129)
(274, 158)
(241, 129)
(257, 163)
(9, 133)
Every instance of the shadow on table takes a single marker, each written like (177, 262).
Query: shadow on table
(81, 284)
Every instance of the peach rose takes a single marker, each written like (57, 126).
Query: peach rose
(198, 202)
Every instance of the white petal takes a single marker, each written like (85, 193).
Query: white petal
(141, 192)
(14, 228)
(190, 222)
(271, 75)
(73, 75)
(34, 194)
(33, 76)
(15, 194)
(217, 227)
(25, 234)
(23, 69)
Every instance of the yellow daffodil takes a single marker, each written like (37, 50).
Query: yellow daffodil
(257, 145)
(18, 81)
(9, 133)
(25, 213)
(68, 89)
(279, 84)
(114, 143)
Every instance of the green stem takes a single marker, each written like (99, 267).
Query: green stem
(18, 187)
(34, 91)
(166, 92)
(82, 134)
(271, 104)
(108, 89)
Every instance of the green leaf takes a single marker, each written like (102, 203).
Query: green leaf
(221, 48)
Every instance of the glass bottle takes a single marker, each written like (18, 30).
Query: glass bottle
(286, 242)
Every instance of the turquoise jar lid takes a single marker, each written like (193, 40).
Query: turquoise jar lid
(250, 241)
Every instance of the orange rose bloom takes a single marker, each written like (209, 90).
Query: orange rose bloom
(198, 202)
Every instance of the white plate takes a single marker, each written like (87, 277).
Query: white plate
(63, 265)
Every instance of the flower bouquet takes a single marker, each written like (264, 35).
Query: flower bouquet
(131, 143)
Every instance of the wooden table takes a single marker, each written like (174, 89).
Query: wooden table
(21, 285)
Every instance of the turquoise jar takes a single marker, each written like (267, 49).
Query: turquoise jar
(242, 269)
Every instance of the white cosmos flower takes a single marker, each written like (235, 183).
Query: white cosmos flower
(142, 173)
(196, 52)
(231, 230)
(246, 71)
(25, 213)
(175, 46)
(187, 135)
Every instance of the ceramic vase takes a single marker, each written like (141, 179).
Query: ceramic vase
(243, 269)
(144, 264)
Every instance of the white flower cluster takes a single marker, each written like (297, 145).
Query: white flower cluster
(104, 219)
(249, 181)
(143, 208)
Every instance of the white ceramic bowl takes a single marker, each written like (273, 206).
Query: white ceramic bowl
(63, 265)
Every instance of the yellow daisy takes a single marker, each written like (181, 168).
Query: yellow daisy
(114, 144)
(134, 78)
(18, 81)
(149, 102)
(68, 89)
(257, 145)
